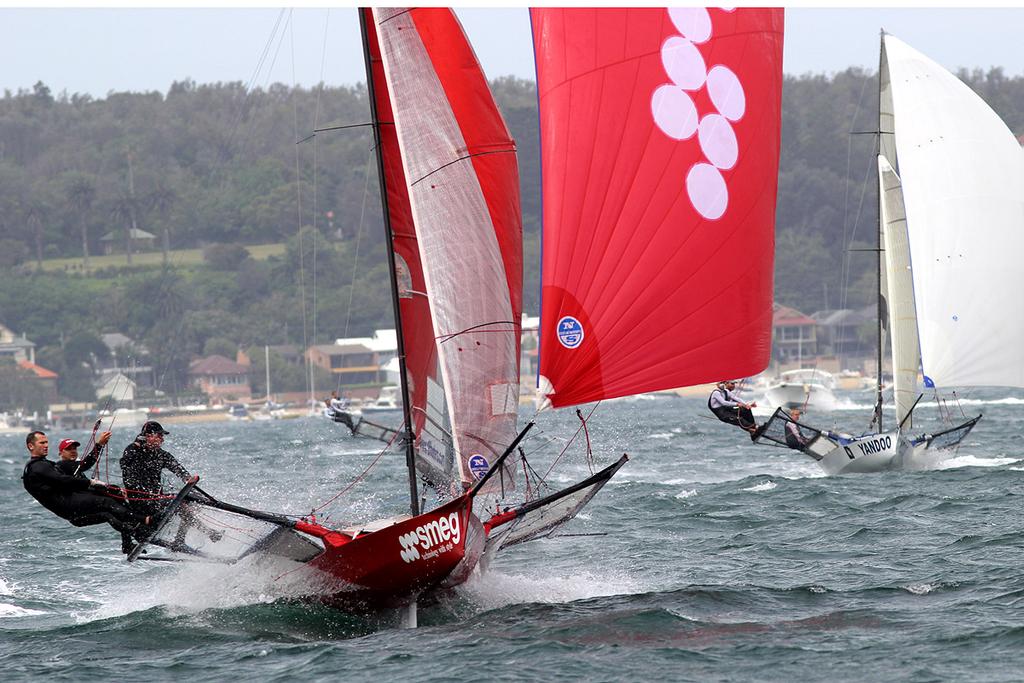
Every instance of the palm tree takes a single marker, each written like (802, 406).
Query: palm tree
(160, 200)
(36, 211)
(81, 191)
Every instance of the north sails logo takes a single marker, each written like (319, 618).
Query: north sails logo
(431, 539)
(570, 332)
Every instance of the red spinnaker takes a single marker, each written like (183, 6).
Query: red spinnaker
(660, 144)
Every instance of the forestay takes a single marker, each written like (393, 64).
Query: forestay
(463, 184)
(962, 172)
(660, 146)
(899, 281)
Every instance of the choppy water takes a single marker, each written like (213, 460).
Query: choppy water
(722, 561)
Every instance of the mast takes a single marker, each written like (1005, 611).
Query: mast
(878, 244)
(266, 365)
(408, 437)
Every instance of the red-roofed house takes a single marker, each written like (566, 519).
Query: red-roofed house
(47, 379)
(793, 334)
(221, 379)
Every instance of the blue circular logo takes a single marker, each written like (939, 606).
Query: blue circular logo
(570, 332)
(478, 465)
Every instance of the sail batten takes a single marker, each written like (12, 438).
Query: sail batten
(660, 159)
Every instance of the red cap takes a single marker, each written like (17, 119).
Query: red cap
(67, 443)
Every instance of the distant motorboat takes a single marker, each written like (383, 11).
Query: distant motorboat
(806, 388)
(387, 402)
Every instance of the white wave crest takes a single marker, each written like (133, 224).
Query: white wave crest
(9, 611)
(689, 493)
(973, 461)
(766, 486)
(920, 588)
(495, 589)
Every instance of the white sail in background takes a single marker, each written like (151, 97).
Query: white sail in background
(962, 172)
(899, 292)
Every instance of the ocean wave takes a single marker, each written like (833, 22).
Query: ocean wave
(972, 461)
(688, 493)
(765, 486)
(9, 611)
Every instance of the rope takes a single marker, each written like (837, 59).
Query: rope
(357, 479)
(570, 442)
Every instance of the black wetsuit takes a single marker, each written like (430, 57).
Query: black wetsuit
(141, 467)
(79, 467)
(70, 497)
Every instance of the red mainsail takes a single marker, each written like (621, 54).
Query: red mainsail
(427, 401)
(660, 145)
(462, 182)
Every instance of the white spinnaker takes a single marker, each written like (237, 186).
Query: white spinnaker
(963, 187)
(462, 261)
(899, 293)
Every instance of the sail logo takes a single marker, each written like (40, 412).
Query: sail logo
(431, 539)
(478, 465)
(570, 332)
(675, 111)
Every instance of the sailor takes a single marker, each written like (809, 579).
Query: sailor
(68, 451)
(731, 410)
(794, 437)
(142, 464)
(76, 499)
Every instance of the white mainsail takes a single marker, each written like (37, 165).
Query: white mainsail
(899, 291)
(962, 173)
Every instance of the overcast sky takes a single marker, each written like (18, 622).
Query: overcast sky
(96, 51)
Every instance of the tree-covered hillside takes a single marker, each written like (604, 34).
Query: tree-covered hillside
(216, 164)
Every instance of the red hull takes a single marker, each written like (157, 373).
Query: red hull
(392, 566)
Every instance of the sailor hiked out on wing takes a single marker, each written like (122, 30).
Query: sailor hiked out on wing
(75, 498)
(729, 409)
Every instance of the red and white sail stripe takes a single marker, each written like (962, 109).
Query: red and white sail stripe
(463, 185)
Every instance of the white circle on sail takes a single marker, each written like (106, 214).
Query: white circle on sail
(718, 141)
(693, 22)
(674, 111)
(683, 63)
(726, 93)
(707, 191)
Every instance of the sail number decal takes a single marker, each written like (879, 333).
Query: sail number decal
(431, 539)
(879, 445)
(570, 332)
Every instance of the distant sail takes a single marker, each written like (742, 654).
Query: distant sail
(434, 449)
(660, 149)
(900, 293)
(463, 183)
(963, 186)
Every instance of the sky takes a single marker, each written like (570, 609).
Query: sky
(96, 51)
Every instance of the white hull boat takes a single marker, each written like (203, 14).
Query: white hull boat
(804, 389)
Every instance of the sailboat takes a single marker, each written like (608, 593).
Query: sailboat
(450, 190)
(950, 174)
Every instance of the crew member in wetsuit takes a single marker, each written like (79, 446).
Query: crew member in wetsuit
(68, 451)
(142, 463)
(75, 499)
(794, 437)
(731, 410)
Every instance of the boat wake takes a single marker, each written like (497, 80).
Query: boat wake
(496, 589)
(191, 587)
